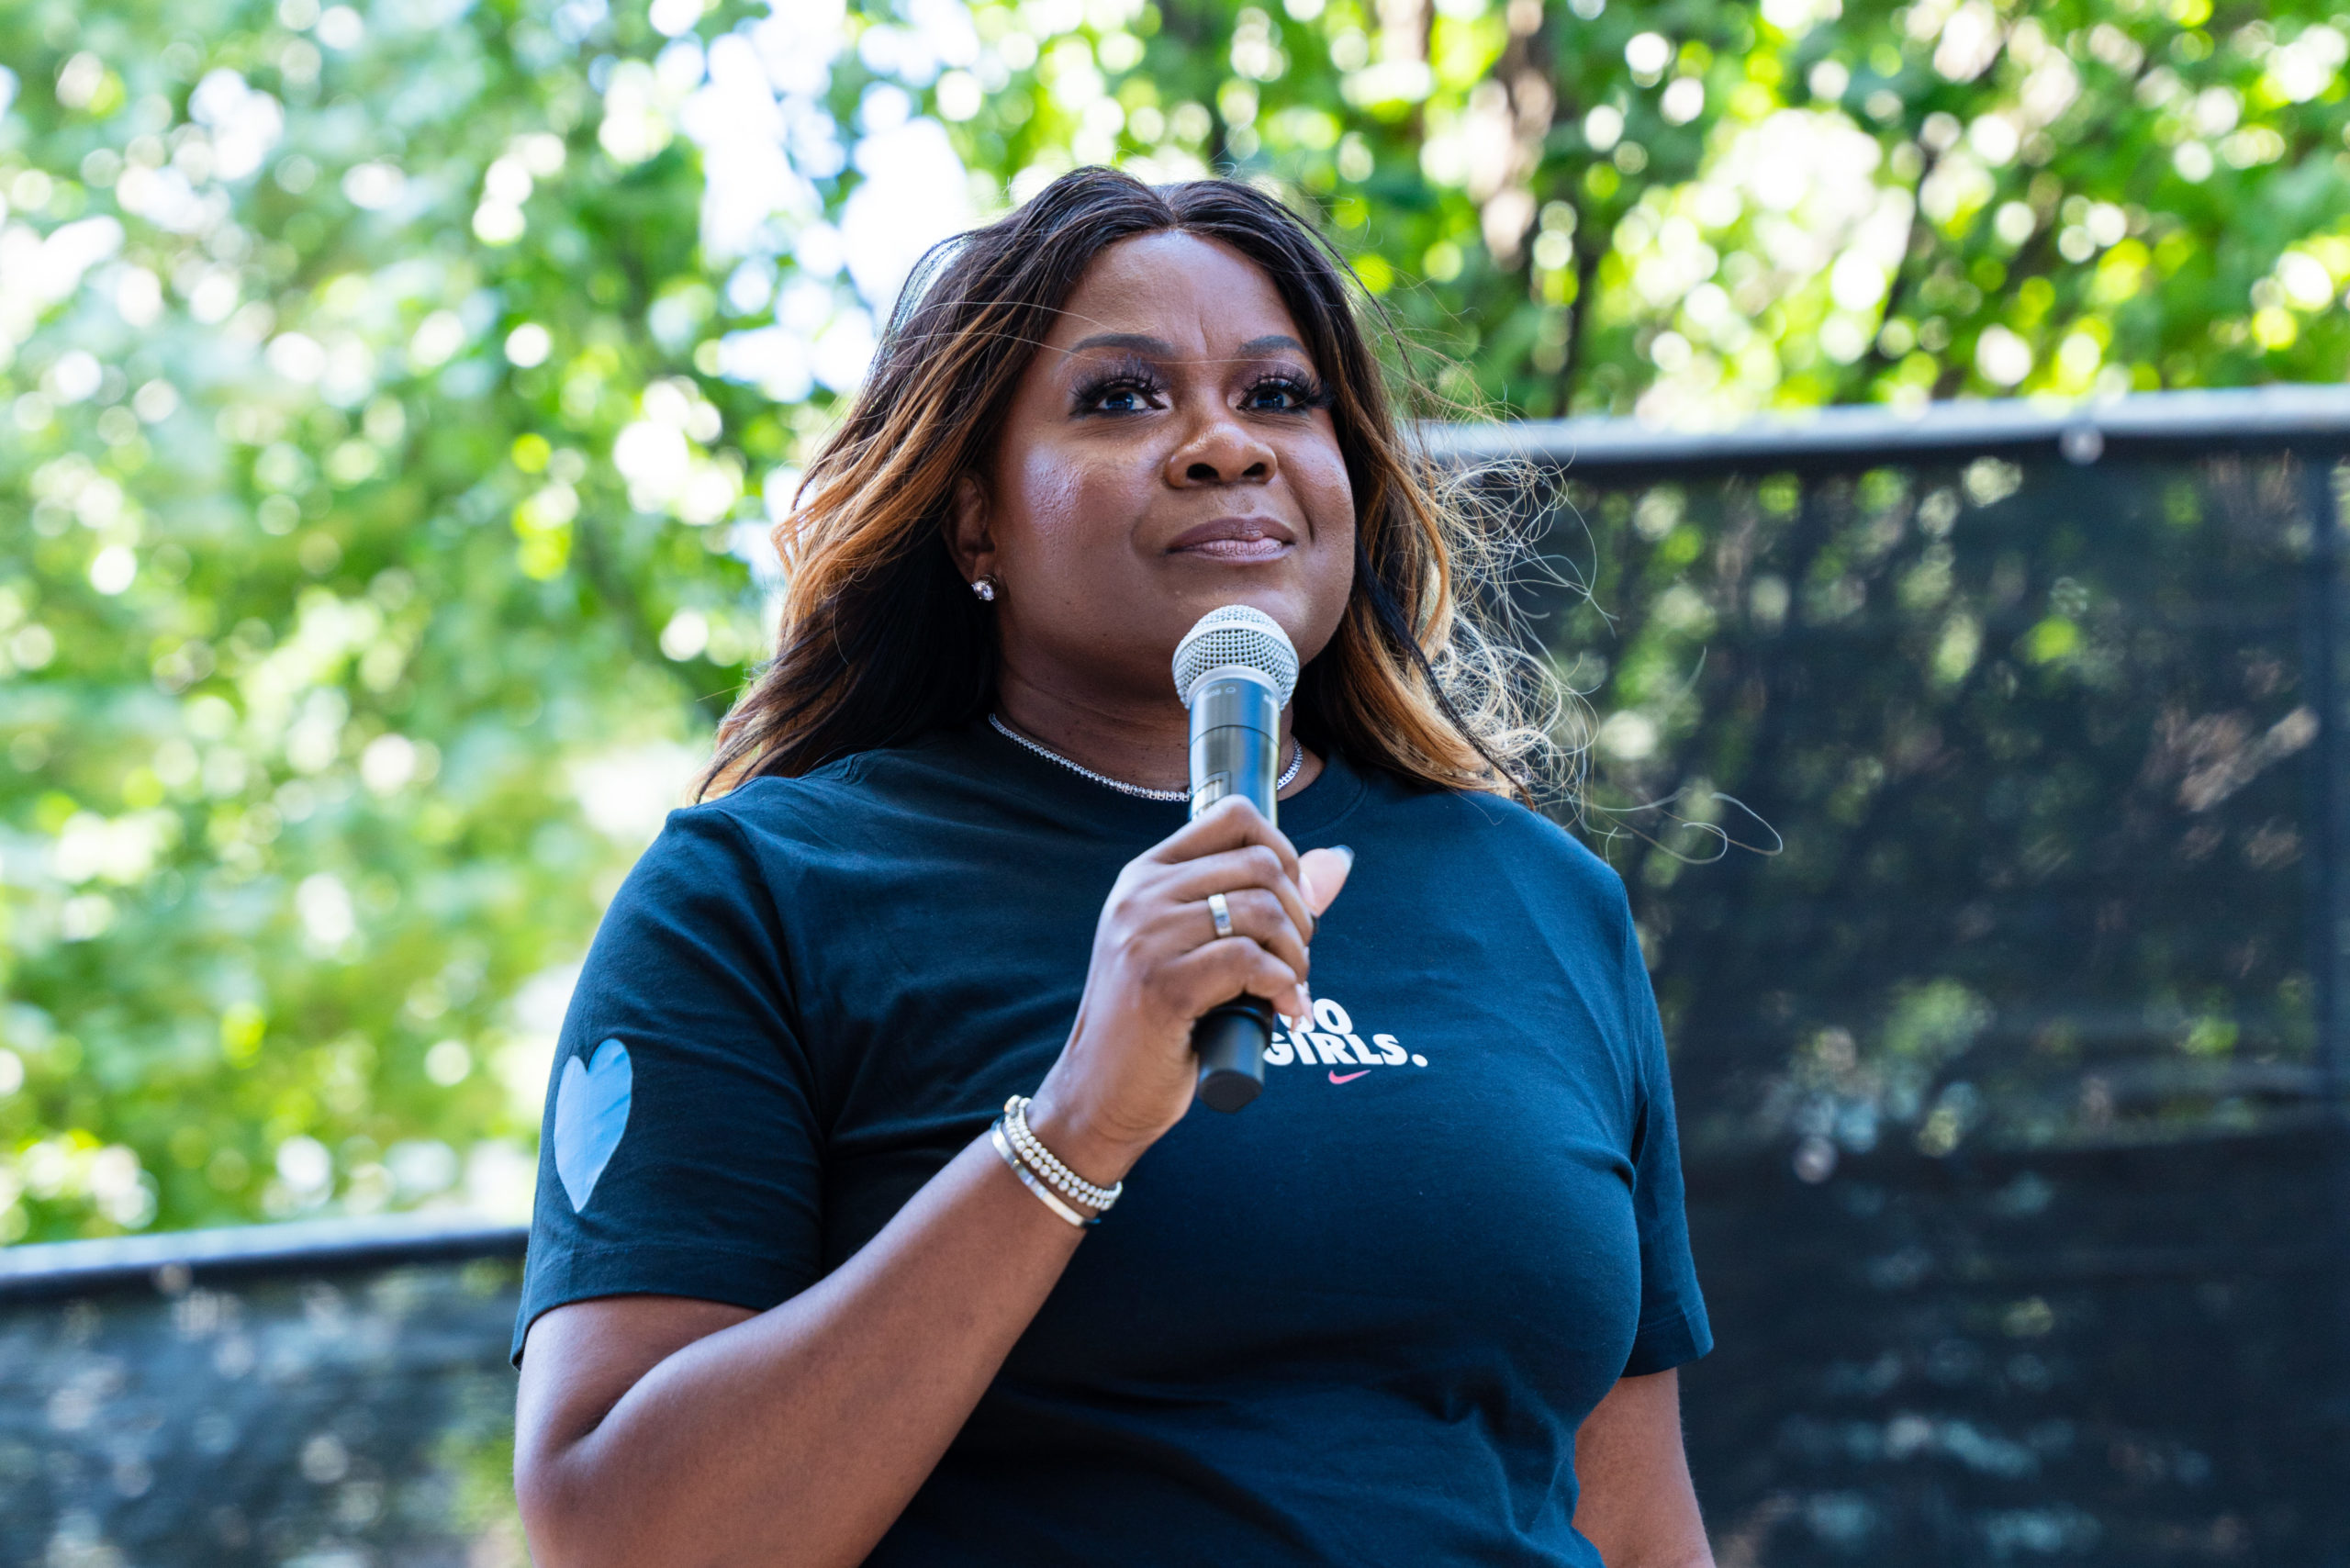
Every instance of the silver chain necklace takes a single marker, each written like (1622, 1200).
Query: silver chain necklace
(1296, 761)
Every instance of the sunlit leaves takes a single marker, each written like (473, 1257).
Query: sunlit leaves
(2087, 147)
(289, 813)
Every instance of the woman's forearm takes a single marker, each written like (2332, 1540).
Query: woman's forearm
(796, 1436)
(1636, 1503)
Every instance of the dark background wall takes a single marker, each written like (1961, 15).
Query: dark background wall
(2005, 1030)
(310, 1413)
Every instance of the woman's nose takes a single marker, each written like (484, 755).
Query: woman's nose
(1220, 449)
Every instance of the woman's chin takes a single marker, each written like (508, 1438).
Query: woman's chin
(1268, 586)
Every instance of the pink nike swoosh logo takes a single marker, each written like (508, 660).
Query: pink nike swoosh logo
(1348, 1079)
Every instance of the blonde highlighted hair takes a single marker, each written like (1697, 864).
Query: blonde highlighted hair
(882, 641)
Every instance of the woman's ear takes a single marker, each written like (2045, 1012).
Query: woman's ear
(968, 539)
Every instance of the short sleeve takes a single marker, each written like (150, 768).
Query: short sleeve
(679, 1151)
(1672, 1326)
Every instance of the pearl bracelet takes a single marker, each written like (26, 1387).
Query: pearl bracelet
(1043, 1192)
(1037, 1157)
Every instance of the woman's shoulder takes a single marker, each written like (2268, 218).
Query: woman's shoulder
(764, 838)
(1501, 821)
(1494, 830)
(770, 802)
(843, 801)
(860, 781)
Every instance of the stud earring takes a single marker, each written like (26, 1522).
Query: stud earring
(985, 588)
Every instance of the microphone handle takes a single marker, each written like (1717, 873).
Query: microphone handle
(1236, 750)
(1230, 1038)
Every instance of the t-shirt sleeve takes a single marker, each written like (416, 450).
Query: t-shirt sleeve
(1672, 1326)
(679, 1152)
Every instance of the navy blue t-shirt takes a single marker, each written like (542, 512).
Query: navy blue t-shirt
(1358, 1322)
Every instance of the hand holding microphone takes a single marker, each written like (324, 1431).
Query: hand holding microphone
(1161, 963)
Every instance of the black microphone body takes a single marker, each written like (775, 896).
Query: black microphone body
(1236, 750)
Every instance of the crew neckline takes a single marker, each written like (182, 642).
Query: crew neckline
(1333, 791)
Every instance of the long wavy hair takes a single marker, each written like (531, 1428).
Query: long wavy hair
(882, 641)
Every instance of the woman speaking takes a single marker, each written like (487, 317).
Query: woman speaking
(871, 1225)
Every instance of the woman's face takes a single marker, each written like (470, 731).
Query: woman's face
(1170, 450)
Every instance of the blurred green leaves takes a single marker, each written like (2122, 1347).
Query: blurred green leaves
(357, 503)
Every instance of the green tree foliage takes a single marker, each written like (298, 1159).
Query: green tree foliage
(1703, 210)
(393, 401)
(327, 609)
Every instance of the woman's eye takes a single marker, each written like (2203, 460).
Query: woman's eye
(1275, 398)
(1122, 398)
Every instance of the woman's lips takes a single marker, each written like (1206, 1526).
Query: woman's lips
(1260, 548)
(1235, 539)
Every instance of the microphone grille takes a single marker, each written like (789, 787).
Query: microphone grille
(1236, 634)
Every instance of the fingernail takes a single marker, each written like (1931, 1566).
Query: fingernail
(1305, 1006)
(1345, 850)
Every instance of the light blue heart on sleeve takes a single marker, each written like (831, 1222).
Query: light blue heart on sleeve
(590, 1114)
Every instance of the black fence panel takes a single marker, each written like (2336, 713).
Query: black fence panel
(2033, 751)
(2111, 1355)
(1981, 810)
(330, 1412)
(1981, 784)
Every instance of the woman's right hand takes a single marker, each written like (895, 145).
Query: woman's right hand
(1128, 1073)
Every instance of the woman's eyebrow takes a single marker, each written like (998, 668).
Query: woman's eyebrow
(1143, 343)
(1140, 342)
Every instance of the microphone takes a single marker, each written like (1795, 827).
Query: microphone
(1235, 671)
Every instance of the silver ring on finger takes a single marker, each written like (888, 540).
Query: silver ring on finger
(1221, 912)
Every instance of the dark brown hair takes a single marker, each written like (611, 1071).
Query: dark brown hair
(881, 640)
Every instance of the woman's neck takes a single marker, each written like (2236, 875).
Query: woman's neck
(1135, 743)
